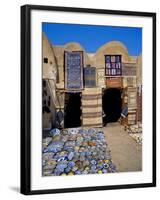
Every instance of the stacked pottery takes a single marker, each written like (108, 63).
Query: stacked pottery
(76, 151)
(135, 131)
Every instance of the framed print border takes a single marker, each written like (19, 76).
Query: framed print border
(26, 98)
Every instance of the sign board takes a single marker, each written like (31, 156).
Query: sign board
(114, 82)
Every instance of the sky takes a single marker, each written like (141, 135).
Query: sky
(91, 37)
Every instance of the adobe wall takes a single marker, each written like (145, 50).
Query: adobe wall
(49, 72)
(54, 69)
(94, 59)
(111, 48)
(49, 68)
(59, 54)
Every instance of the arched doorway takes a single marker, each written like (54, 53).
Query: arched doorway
(112, 105)
(72, 110)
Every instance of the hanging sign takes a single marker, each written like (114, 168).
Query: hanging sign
(74, 70)
(114, 82)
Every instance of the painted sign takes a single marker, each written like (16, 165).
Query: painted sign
(114, 82)
(74, 70)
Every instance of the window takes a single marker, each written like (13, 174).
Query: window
(113, 65)
(45, 60)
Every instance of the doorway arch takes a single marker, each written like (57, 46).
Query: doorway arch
(111, 104)
(72, 110)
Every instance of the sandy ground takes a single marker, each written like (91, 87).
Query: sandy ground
(126, 153)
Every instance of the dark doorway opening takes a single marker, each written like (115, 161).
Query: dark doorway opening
(72, 110)
(112, 105)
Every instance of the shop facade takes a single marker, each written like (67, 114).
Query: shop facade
(90, 90)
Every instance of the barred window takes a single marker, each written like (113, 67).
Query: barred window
(45, 60)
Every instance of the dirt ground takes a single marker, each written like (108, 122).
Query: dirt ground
(126, 153)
